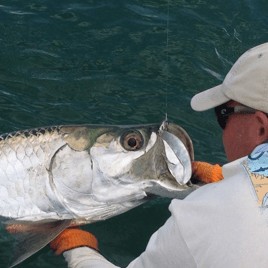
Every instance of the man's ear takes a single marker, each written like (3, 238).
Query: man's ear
(262, 126)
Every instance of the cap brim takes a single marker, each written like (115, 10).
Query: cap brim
(208, 99)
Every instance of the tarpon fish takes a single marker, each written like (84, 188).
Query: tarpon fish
(55, 177)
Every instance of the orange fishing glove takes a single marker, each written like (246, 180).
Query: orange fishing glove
(206, 172)
(73, 238)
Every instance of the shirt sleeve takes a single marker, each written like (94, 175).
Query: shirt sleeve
(166, 248)
(85, 257)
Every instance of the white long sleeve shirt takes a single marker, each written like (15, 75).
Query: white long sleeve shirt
(220, 225)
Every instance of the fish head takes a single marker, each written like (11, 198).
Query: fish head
(103, 171)
(147, 159)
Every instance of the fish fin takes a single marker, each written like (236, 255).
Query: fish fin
(36, 236)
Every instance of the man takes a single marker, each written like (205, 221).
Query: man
(222, 224)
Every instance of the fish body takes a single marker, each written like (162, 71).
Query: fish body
(55, 177)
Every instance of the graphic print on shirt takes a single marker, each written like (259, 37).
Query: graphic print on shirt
(257, 168)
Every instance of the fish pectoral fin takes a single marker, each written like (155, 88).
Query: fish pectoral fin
(32, 236)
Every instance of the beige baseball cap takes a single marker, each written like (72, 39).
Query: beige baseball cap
(246, 82)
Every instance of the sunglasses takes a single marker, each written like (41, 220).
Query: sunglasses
(223, 112)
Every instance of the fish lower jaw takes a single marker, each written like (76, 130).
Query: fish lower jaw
(178, 192)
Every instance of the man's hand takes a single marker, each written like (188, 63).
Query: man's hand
(73, 238)
(206, 172)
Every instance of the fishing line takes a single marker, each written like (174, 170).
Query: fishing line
(167, 56)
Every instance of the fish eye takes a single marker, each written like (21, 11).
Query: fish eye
(132, 141)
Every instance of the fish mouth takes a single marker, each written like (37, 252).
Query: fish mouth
(182, 135)
(174, 179)
(179, 152)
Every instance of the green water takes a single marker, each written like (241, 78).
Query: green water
(72, 62)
